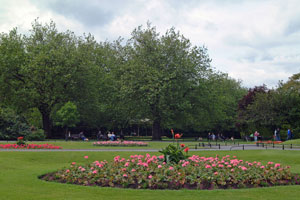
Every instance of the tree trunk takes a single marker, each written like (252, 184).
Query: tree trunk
(46, 123)
(156, 130)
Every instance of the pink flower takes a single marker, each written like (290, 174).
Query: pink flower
(126, 164)
(124, 175)
(229, 166)
(232, 170)
(277, 165)
(216, 173)
(244, 168)
(86, 157)
(159, 166)
(171, 168)
(82, 169)
(133, 170)
(95, 172)
(73, 163)
(67, 171)
(149, 176)
(270, 163)
(207, 166)
(262, 167)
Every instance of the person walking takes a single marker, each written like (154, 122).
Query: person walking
(277, 134)
(289, 134)
(256, 134)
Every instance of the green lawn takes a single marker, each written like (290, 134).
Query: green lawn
(89, 144)
(19, 172)
(295, 142)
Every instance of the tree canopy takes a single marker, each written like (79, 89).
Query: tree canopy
(163, 79)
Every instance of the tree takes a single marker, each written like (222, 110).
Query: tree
(160, 73)
(40, 70)
(67, 116)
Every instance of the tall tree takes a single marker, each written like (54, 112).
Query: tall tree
(161, 71)
(39, 69)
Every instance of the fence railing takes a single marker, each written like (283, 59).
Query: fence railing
(231, 146)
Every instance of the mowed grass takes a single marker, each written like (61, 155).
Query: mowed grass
(20, 170)
(151, 144)
(89, 144)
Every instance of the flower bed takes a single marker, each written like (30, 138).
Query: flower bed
(29, 146)
(151, 172)
(120, 143)
(269, 142)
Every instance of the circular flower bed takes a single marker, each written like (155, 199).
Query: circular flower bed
(120, 143)
(29, 146)
(151, 172)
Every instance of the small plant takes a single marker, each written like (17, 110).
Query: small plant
(20, 141)
(174, 154)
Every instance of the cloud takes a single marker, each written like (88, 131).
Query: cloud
(256, 41)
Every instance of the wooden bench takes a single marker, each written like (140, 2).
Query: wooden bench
(75, 137)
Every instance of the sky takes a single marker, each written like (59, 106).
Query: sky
(255, 41)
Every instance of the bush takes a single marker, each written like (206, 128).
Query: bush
(12, 125)
(37, 135)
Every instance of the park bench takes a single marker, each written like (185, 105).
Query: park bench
(75, 137)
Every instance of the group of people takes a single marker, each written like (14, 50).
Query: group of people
(277, 134)
(213, 137)
(109, 136)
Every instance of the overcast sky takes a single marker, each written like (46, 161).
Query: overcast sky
(256, 41)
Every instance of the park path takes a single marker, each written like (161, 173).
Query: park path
(213, 148)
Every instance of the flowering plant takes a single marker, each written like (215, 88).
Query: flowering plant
(151, 172)
(173, 153)
(20, 141)
(120, 143)
(29, 146)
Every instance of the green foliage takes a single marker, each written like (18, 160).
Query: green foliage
(67, 115)
(173, 154)
(36, 135)
(12, 125)
(163, 78)
(20, 141)
(162, 72)
(273, 108)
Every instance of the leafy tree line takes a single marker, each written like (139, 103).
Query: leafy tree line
(266, 109)
(163, 79)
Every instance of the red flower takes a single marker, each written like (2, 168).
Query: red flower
(182, 145)
(186, 149)
(177, 136)
(20, 138)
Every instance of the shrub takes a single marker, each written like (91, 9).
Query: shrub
(12, 125)
(36, 135)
